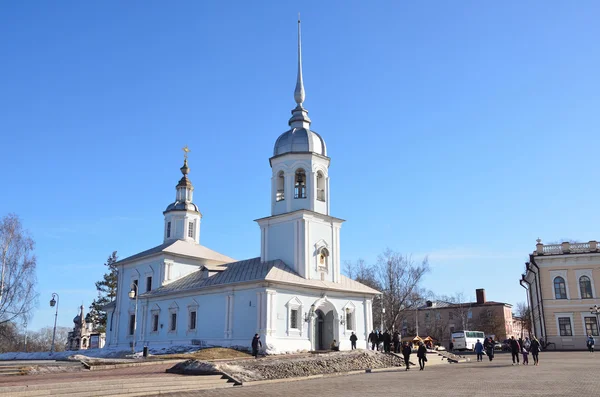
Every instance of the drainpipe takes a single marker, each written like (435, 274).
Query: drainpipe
(539, 282)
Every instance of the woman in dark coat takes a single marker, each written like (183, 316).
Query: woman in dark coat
(422, 355)
(406, 350)
(535, 350)
(489, 348)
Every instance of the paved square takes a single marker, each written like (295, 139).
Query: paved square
(559, 374)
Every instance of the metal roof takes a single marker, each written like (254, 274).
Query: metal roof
(252, 270)
(182, 248)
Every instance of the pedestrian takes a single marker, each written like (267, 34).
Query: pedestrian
(353, 340)
(256, 345)
(451, 346)
(396, 340)
(479, 350)
(387, 340)
(527, 343)
(422, 355)
(535, 350)
(515, 349)
(334, 346)
(489, 348)
(525, 355)
(406, 350)
(373, 339)
(590, 343)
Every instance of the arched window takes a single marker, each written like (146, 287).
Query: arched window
(320, 186)
(323, 258)
(560, 290)
(280, 195)
(300, 184)
(585, 286)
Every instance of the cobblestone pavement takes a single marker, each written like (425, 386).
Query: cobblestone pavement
(559, 374)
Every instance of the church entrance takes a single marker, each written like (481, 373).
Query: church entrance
(323, 329)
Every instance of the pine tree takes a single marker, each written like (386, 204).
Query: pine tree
(107, 292)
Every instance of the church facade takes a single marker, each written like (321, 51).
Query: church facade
(294, 295)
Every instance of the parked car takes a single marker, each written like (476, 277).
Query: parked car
(506, 345)
(498, 346)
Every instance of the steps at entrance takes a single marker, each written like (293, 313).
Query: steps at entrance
(134, 386)
(7, 370)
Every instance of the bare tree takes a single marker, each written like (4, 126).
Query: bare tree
(399, 277)
(17, 277)
(524, 315)
(461, 310)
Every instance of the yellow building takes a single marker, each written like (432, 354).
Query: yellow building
(562, 281)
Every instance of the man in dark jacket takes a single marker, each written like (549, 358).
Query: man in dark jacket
(515, 349)
(387, 340)
(353, 340)
(396, 340)
(373, 339)
(422, 355)
(406, 350)
(256, 344)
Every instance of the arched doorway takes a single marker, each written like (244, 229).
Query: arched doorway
(324, 330)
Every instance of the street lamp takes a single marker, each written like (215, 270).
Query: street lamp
(25, 326)
(133, 294)
(596, 310)
(54, 302)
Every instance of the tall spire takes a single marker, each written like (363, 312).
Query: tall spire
(299, 94)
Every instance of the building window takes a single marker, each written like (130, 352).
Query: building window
(438, 316)
(585, 286)
(173, 325)
(294, 318)
(191, 229)
(564, 326)
(320, 186)
(300, 184)
(168, 229)
(591, 326)
(280, 194)
(135, 289)
(131, 324)
(323, 258)
(469, 314)
(155, 323)
(560, 289)
(192, 320)
(450, 316)
(148, 283)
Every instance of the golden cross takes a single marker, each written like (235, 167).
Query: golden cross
(186, 150)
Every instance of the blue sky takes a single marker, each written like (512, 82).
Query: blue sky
(460, 130)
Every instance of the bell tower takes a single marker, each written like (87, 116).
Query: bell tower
(300, 230)
(182, 217)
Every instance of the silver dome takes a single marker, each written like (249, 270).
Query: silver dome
(300, 140)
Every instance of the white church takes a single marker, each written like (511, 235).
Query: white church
(294, 295)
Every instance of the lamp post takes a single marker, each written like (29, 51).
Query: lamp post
(54, 302)
(596, 310)
(25, 326)
(133, 294)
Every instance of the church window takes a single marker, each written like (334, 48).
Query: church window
(148, 283)
(323, 257)
(320, 186)
(349, 320)
(131, 324)
(155, 323)
(294, 318)
(300, 184)
(192, 320)
(191, 229)
(173, 325)
(168, 229)
(280, 194)
(135, 289)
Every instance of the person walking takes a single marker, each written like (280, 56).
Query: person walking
(479, 350)
(422, 355)
(590, 343)
(353, 340)
(406, 350)
(489, 348)
(525, 355)
(515, 349)
(396, 340)
(373, 339)
(527, 343)
(256, 345)
(535, 350)
(451, 346)
(387, 340)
